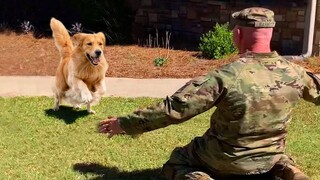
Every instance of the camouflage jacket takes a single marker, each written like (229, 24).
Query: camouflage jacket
(253, 96)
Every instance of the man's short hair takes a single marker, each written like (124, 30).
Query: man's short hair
(257, 17)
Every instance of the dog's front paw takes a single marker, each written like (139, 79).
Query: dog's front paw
(55, 108)
(86, 97)
(77, 106)
(90, 111)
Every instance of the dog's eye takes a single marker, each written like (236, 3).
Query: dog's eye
(89, 44)
(100, 44)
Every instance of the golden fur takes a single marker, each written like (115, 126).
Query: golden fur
(80, 76)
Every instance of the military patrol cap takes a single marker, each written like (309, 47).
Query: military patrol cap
(257, 17)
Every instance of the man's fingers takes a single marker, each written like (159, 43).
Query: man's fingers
(104, 128)
(110, 135)
(109, 126)
(107, 121)
(104, 125)
(101, 123)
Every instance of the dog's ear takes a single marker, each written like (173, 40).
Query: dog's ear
(102, 36)
(77, 39)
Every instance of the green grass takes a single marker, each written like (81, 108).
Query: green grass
(38, 143)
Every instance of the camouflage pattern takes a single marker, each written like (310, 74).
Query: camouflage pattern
(253, 96)
(255, 17)
(183, 166)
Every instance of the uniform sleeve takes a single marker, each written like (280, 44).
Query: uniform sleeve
(195, 97)
(311, 91)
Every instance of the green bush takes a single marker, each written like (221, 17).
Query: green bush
(218, 43)
(159, 61)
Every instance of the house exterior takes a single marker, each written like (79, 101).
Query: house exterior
(187, 20)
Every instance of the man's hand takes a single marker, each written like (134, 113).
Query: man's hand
(110, 126)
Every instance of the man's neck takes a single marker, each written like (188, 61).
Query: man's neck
(255, 47)
(255, 39)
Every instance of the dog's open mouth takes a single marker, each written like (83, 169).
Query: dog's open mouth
(93, 60)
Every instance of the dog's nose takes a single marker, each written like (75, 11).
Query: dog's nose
(98, 53)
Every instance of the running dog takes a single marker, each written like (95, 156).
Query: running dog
(80, 76)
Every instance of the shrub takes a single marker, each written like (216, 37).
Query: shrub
(218, 43)
(26, 27)
(159, 61)
(76, 28)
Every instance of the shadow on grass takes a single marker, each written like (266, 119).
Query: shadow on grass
(68, 114)
(103, 173)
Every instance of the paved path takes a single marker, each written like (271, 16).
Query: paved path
(11, 86)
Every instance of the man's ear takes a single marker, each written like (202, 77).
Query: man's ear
(77, 39)
(102, 36)
(237, 36)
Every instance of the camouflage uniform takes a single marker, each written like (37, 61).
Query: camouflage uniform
(253, 96)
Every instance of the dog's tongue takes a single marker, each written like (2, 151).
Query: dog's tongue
(96, 60)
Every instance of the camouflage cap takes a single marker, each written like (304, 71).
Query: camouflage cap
(255, 17)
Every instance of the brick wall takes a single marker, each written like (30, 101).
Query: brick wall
(187, 20)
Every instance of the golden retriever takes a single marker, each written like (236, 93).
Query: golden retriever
(80, 76)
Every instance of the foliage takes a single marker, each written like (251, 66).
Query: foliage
(151, 42)
(218, 43)
(313, 61)
(160, 61)
(26, 27)
(76, 28)
(39, 143)
(157, 42)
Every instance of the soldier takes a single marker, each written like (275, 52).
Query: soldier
(253, 96)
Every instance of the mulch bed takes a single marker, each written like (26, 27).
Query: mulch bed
(26, 55)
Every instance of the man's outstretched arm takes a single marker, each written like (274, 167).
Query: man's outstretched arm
(197, 96)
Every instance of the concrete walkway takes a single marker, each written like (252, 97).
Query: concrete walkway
(11, 86)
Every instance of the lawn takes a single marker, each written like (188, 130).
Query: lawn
(38, 143)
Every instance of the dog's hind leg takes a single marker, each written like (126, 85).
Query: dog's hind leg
(89, 109)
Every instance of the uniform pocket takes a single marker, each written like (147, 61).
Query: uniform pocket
(189, 89)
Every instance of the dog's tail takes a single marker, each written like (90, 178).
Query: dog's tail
(61, 37)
